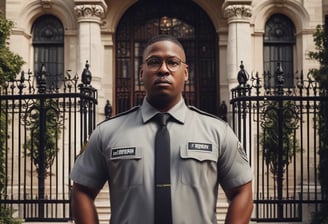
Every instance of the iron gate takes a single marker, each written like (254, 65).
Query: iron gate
(279, 129)
(42, 129)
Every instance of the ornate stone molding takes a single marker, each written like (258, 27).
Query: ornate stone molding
(90, 9)
(238, 11)
(46, 4)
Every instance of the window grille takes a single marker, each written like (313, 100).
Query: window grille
(279, 44)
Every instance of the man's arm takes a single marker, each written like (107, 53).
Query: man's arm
(83, 207)
(241, 204)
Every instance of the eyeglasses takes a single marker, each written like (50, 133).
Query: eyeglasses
(155, 63)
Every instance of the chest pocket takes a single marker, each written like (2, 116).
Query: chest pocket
(125, 166)
(198, 165)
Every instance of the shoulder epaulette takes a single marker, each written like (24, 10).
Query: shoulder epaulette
(121, 114)
(203, 112)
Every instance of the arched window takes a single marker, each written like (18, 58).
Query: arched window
(48, 44)
(279, 43)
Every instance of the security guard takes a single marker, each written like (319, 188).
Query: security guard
(204, 153)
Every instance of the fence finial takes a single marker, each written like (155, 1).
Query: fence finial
(86, 75)
(108, 109)
(280, 79)
(41, 79)
(242, 76)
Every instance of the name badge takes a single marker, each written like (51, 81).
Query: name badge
(122, 152)
(200, 146)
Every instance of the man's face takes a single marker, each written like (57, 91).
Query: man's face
(162, 74)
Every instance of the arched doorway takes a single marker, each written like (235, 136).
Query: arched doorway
(195, 31)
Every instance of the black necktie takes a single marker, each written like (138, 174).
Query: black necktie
(163, 210)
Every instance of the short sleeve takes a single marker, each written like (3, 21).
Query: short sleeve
(90, 168)
(233, 165)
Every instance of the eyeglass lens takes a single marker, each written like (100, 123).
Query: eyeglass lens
(155, 63)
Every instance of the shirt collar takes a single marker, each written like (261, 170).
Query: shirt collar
(178, 112)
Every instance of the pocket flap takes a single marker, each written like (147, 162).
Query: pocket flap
(199, 151)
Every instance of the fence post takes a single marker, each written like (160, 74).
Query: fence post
(41, 85)
(87, 106)
(279, 74)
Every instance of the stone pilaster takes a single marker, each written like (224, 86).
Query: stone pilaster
(239, 38)
(89, 15)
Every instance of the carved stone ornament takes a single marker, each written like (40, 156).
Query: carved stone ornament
(239, 11)
(89, 11)
(46, 4)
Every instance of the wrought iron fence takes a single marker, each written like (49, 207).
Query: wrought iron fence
(279, 130)
(42, 128)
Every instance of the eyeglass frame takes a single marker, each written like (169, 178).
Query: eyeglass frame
(162, 60)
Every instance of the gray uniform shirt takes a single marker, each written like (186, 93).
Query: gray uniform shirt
(204, 153)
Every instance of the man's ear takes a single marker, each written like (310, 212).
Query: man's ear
(140, 73)
(186, 73)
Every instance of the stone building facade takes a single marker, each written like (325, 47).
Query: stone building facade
(218, 36)
(252, 31)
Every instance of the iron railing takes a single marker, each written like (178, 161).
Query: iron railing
(279, 130)
(42, 130)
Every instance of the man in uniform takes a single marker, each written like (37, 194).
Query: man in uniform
(204, 152)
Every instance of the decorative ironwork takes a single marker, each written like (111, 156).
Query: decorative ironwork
(175, 27)
(279, 29)
(86, 75)
(48, 29)
(45, 128)
(41, 79)
(108, 110)
(278, 128)
(242, 76)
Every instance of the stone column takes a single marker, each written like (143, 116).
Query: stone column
(89, 16)
(239, 45)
